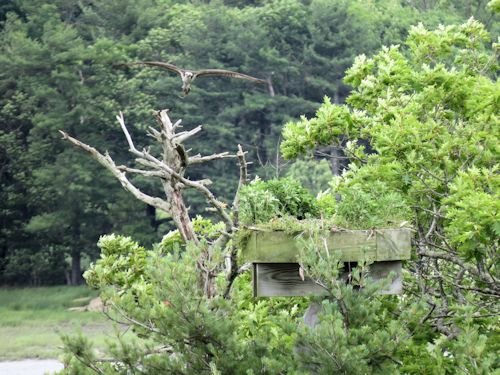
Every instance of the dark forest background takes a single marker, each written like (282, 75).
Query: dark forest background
(58, 72)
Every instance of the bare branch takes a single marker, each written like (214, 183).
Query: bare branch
(232, 270)
(168, 127)
(453, 259)
(170, 168)
(243, 169)
(177, 124)
(121, 120)
(154, 133)
(244, 268)
(134, 321)
(109, 164)
(433, 175)
(146, 158)
(219, 206)
(434, 221)
(142, 171)
(243, 181)
(196, 159)
(181, 137)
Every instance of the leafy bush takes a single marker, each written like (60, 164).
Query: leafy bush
(185, 332)
(370, 206)
(359, 206)
(262, 201)
(45, 267)
(473, 210)
(327, 203)
(429, 113)
(159, 295)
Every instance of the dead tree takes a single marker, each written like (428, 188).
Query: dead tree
(170, 169)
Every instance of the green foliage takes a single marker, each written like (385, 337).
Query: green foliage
(293, 198)
(330, 122)
(170, 242)
(327, 203)
(432, 138)
(123, 262)
(494, 5)
(165, 294)
(257, 203)
(206, 229)
(284, 204)
(203, 227)
(473, 210)
(357, 331)
(262, 201)
(420, 127)
(471, 352)
(60, 80)
(370, 206)
(421, 131)
(45, 267)
(314, 175)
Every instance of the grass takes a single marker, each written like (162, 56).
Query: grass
(51, 298)
(32, 320)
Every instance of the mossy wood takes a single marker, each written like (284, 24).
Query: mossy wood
(356, 245)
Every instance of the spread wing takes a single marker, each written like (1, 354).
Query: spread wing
(226, 73)
(159, 64)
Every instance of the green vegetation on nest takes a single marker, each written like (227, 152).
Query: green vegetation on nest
(283, 204)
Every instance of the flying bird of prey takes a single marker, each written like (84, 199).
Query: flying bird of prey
(188, 76)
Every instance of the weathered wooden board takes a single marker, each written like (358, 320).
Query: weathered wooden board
(372, 245)
(283, 279)
(393, 244)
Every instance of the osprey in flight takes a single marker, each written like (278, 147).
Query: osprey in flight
(188, 76)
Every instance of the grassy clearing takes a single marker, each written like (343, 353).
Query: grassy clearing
(32, 319)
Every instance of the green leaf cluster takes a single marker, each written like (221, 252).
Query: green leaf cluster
(473, 211)
(262, 201)
(370, 206)
(178, 330)
(167, 309)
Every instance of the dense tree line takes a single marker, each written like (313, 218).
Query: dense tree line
(58, 61)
